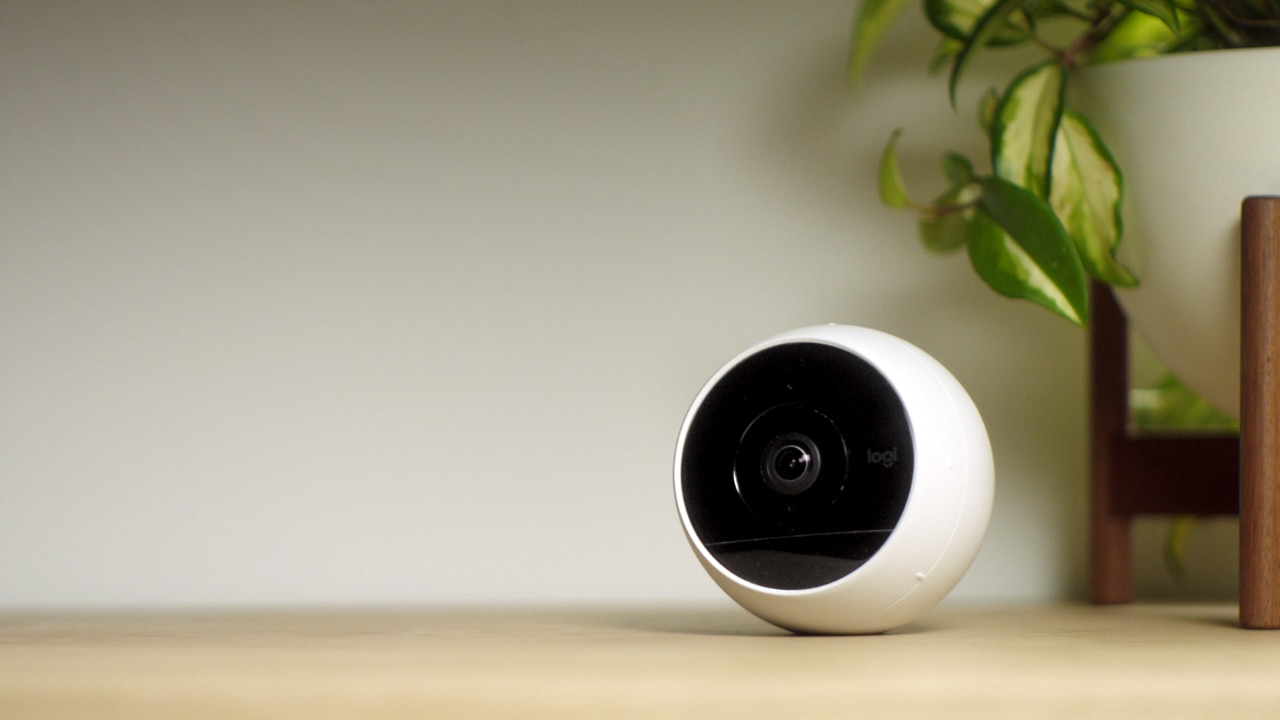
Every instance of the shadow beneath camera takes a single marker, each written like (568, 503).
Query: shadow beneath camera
(732, 622)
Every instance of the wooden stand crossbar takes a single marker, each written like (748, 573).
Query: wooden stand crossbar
(1200, 475)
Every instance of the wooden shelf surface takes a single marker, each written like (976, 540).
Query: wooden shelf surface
(1138, 661)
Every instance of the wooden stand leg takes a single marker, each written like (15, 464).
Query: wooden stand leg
(1260, 414)
(1110, 542)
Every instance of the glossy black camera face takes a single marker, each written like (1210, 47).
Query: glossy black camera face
(796, 465)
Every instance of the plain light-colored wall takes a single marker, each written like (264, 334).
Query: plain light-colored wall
(327, 302)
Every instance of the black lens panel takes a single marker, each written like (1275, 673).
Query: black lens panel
(797, 465)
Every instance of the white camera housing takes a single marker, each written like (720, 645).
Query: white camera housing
(834, 479)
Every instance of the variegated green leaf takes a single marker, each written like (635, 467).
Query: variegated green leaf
(892, 189)
(1136, 35)
(987, 106)
(984, 29)
(1026, 125)
(948, 48)
(1166, 11)
(942, 227)
(1086, 193)
(1168, 405)
(957, 169)
(943, 233)
(1017, 245)
(956, 18)
(869, 26)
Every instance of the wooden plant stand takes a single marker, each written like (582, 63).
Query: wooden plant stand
(1143, 474)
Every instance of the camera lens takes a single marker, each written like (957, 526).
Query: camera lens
(791, 464)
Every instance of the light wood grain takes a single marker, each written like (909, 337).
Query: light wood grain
(1059, 662)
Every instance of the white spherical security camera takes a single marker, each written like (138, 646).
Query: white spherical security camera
(834, 479)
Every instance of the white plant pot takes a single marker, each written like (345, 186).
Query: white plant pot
(1194, 134)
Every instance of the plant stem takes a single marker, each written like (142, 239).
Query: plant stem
(1099, 25)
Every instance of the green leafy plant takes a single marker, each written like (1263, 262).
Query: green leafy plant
(1045, 217)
